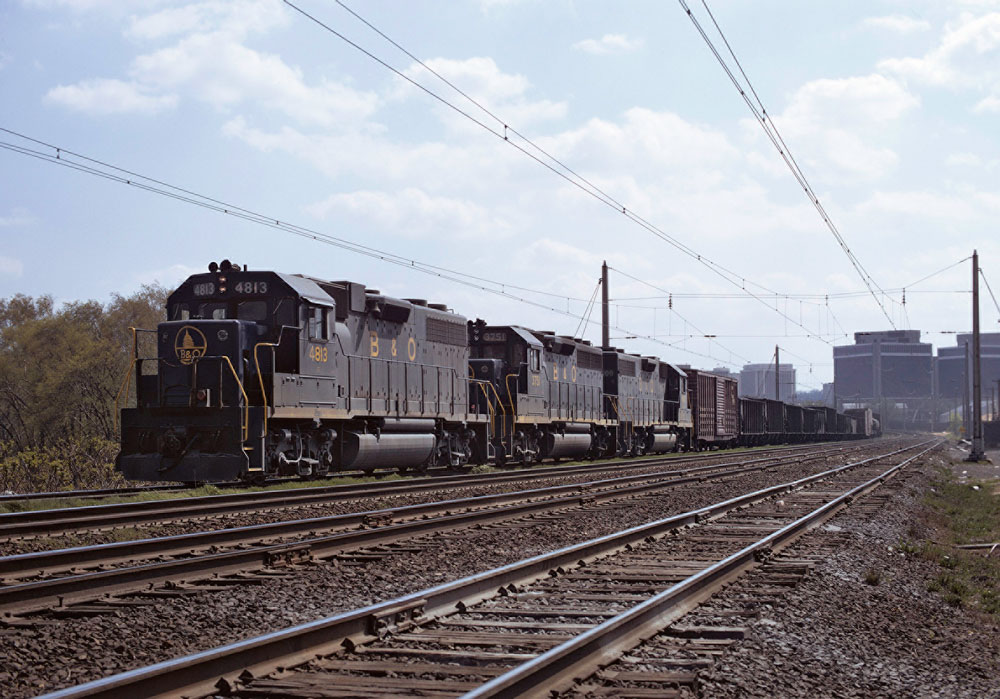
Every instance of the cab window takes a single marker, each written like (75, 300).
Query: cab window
(252, 310)
(534, 359)
(317, 322)
(284, 313)
(212, 311)
(179, 311)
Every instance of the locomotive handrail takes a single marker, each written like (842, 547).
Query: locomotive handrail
(246, 400)
(489, 407)
(125, 383)
(260, 376)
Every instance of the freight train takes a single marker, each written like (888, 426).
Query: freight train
(259, 373)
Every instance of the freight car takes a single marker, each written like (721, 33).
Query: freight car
(258, 373)
(714, 409)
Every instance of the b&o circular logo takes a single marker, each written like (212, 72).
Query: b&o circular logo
(190, 344)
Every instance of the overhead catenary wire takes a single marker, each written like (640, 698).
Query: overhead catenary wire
(674, 311)
(547, 161)
(64, 157)
(770, 129)
(585, 318)
(986, 281)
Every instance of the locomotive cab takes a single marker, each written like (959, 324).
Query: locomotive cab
(200, 400)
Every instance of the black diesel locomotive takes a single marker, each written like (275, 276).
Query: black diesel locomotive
(258, 373)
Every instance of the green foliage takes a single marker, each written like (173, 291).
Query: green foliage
(60, 371)
(971, 510)
(69, 464)
(964, 514)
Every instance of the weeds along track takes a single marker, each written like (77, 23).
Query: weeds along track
(529, 627)
(58, 522)
(81, 581)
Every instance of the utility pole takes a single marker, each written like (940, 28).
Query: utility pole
(777, 374)
(976, 454)
(605, 315)
(966, 422)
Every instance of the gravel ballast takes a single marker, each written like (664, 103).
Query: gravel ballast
(838, 635)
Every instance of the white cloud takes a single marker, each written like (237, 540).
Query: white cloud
(225, 73)
(86, 5)
(901, 24)
(411, 212)
(964, 160)
(966, 56)
(109, 96)
(11, 267)
(841, 120)
(233, 17)
(210, 63)
(18, 217)
(988, 105)
(609, 43)
(482, 79)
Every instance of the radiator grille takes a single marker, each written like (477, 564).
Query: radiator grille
(589, 360)
(446, 332)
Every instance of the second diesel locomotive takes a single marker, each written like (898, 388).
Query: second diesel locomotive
(258, 373)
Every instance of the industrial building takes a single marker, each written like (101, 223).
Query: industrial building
(892, 372)
(954, 369)
(757, 381)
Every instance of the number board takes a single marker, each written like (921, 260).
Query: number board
(251, 288)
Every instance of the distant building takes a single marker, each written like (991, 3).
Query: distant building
(954, 366)
(757, 381)
(891, 364)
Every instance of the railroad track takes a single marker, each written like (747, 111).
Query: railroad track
(79, 581)
(97, 494)
(60, 521)
(526, 628)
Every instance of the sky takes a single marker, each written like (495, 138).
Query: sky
(890, 108)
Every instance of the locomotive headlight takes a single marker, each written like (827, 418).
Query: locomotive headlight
(223, 335)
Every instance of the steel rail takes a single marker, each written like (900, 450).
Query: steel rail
(42, 561)
(556, 668)
(31, 596)
(444, 473)
(47, 522)
(200, 673)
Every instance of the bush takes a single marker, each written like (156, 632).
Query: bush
(74, 464)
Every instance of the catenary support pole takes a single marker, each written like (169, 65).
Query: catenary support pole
(777, 374)
(977, 452)
(605, 311)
